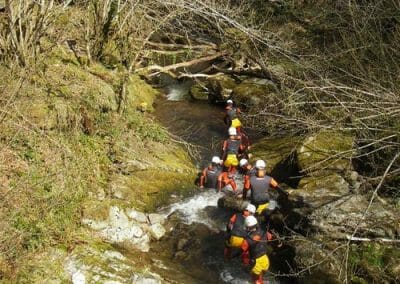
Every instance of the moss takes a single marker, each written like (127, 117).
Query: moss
(274, 150)
(198, 92)
(255, 95)
(373, 263)
(74, 147)
(139, 92)
(151, 189)
(43, 267)
(326, 150)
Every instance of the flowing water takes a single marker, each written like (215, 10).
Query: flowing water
(196, 223)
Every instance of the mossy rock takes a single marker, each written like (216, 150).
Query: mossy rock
(376, 263)
(199, 92)
(171, 57)
(138, 92)
(110, 55)
(44, 267)
(38, 113)
(255, 93)
(75, 83)
(151, 189)
(220, 87)
(317, 191)
(274, 150)
(326, 151)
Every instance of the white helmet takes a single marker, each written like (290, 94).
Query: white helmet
(232, 131)
(216, 160)
(229, 102)
(243, 162)
(251, 208)
(250, 221)
(260, 164)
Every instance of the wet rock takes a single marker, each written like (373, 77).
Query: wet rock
(232, 202)
(118, 234)
(251, 92)
(136, 215)
(199, 92)
(220, 88)
(182, 244)
(156, 218)
(157, 231)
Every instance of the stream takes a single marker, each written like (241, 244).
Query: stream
(193, 248)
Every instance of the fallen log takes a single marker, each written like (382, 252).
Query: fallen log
(384, 240)
(181, 46)
(170, 68)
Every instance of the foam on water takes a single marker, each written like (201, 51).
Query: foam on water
(178, 91)
(192, 209)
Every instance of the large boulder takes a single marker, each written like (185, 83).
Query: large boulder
(317, 191)
(326, 151)
(220, 88)
(199, 92)
(252, 92)
(339, 218)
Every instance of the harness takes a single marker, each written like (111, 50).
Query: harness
(233, 146)
(257, 247)
(259, 189)
(212, 176)
(239, 229)
(232, 113)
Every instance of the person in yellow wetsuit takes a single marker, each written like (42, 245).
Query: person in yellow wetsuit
(236, 232)
(230, 150)
(255, 250)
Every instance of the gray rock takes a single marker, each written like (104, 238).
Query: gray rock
(156, 218)
(142, 244)
(140, 279)
(136, 215)
(95, 225)
(117, 218)
(157, 231)
(340, 217)
(118, 194)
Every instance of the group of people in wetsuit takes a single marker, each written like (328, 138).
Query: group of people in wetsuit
(245, 236)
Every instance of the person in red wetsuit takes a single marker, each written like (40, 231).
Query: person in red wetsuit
(236, 232)
(255, 250)
(259, 184)
(226, 178)
(209, 176)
